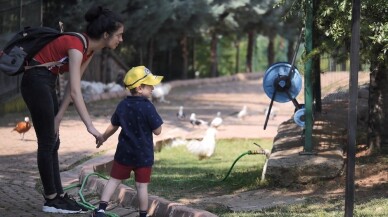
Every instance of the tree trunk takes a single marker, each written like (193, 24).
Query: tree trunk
(170, 53)
(150, 54)
(141, 55)
(343, 66)
(237, 46)
(213, 55)
(378, 107)
(271, 49)
(194, 69)
(103, 65)
(290, 50)
(251, 44)
(332, 64)
(185, 54)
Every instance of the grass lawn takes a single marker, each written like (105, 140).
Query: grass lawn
(178, 174)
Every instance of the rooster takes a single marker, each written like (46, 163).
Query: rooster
(206, 147)
(23, 126)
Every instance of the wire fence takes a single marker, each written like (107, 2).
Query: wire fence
(335, 78)
(14, 15)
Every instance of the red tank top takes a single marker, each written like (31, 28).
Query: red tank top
(57, 50)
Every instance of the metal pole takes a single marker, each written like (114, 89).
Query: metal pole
(317, 65)
(20, 14)
(352, 112)
(41, 13)
(308, 90)
(292, 71)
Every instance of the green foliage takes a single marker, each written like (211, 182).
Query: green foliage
(15, 104)
(167, 22)
(260, 63)
(227, 55)
(334, 20)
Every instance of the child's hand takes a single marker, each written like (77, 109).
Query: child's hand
(100, 141)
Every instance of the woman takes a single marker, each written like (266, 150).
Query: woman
(38, 88)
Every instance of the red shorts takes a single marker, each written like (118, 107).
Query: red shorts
(121, 172)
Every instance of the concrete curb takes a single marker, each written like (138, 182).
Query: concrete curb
(126, 196)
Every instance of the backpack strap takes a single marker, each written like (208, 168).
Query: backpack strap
(47, 65)
(80, 36)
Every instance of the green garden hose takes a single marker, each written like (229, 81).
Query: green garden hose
(243, 154)
(83, 202)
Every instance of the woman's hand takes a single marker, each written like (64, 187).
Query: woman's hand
(57, 122)
(99, 137)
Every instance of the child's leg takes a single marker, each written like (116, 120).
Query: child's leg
(142, 178)
(109, 189)
(142, 195)
(118, 172)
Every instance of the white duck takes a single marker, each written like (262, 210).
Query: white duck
(206, 147)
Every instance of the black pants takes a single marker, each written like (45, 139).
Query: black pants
(38, 89)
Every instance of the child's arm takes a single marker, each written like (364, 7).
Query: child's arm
(110, 130)
(157, 131)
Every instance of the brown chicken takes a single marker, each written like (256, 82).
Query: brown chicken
(23, 126)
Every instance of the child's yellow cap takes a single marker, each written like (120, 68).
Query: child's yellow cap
(140, 75)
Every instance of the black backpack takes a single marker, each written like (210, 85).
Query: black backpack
(25, 44)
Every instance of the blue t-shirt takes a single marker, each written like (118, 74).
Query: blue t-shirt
(137, 118)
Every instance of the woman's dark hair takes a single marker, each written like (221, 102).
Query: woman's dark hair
(101, 20)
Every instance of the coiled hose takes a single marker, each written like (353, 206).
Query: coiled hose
(83, 202)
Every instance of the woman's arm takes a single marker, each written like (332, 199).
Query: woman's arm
(75, 60)
(66, 97)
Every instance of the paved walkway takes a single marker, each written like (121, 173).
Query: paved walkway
(19, 176)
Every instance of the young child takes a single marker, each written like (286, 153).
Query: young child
(138, 119)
